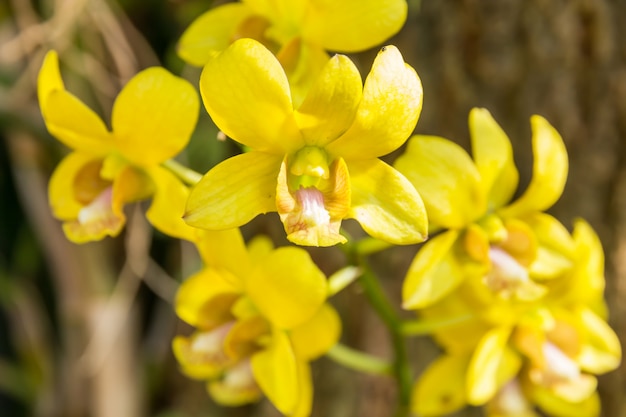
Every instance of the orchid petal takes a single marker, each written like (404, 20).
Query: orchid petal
(224, 249)
(61, 188)
(246, 93)
(488, 358)
(234, 192)
(386, 204)
(154, 108)
(388, 113)
(555, 406)
(316, 336)
(494, 158)
(441, 388)
(602, 350)
(303, 64)
(331, 104)
(549, 171)
(287, 287)
(67, 118)
(70, 121)
(236, 386)
(586, 284)
(197, 290)
(191, 364)
(211, 33)
(49, 79)
(168, 206)
(446, 178)
(434, 272)
(358, 24)
(276, 371)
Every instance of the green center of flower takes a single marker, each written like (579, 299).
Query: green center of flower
(308, 167)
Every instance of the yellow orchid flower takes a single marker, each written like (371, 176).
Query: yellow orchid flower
(512, 369)
(153, 118)
(297, 32)
(315, 165)
(512, 246)
(259, 321)
(516, 355)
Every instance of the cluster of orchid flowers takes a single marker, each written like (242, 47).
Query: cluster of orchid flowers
(534, 331)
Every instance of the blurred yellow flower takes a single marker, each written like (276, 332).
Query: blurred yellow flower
(298, 32)
(153, 118)
(260, 318)
(512, 247)
(515, 355)
(317, 164)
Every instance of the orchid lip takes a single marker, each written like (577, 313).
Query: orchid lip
(313, 210)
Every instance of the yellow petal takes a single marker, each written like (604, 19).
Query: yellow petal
(211, 33)
(484, 367)
(241, 340)
(388, 113)
(601, 351)
(70, 121)
(66, 117)
(446, 178)
(168, 206)
(61, 188)
(588, 282)
(305, 392)
(130, 185)
(287, 287)
(197, 290)
(285, 17)
(234, 192)
(303, 63)
(154, 116)
(555, 406)
(225, 250)
(461, 337)
(236, 386)
(276, 371)
(316, 336)
(49, 79)
(554, 252)
(549, 171)
(434, 272)
(493, 154)
(259, 247)
(102, 213)
(246, 93)
(193, 364)
(352, 25)
(386, 204)
(243, 309)
(441, 388)
(331, 104)
(520, 242)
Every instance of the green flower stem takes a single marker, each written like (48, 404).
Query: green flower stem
(342, 278)
(401, 370)
(359, 361)
(423, 327)
(186, 175)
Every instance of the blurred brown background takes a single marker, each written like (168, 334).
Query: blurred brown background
(86, 330)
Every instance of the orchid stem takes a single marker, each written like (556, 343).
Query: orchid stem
(401, 370)
(186, 175)
(359, 361)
